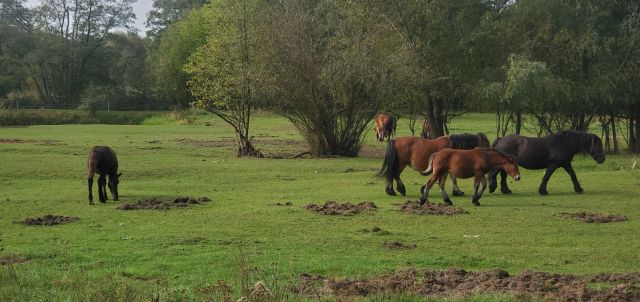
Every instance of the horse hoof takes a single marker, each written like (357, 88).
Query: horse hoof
(579, 190)
(457, 193)
(543, 192)
(505, 191)
(390, 192)
(475, 203)
(402, 191)
(448, 202)
(423, 201)
(491, 190)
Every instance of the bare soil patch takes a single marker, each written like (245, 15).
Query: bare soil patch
(157, 203)
(414, 207)
(49, 220)
(398, 245)
(374, 230)
(12, 260)
(29, 141)
(334, 208)
(225, 142)
(594, 217)
(456, 282)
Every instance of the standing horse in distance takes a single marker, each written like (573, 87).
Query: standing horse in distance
(415, 151)
(103, 160)
(385, 126)
(550, 152)
(466, 164)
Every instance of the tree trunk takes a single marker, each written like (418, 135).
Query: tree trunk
(434, 110)
(614, 134)
(518, 122)
(245, 148)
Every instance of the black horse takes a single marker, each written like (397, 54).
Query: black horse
(103, 160)
(549, 152)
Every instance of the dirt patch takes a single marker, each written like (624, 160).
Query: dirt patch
(374, 230)
(49, 220)
(368, 151)
(284, 204)
(594, 217)
(12, 260)
(156, 203)
(414, 207)
(455, 282)
(29, 141)
(224, 142)
(334, 208)
(398, 245)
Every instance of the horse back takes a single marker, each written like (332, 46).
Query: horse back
(102, 160)
(531, 152)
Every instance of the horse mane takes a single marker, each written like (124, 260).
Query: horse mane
(510, 158)
(575, 138)
(467, 141)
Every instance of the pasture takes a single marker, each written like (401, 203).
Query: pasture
(243, 236)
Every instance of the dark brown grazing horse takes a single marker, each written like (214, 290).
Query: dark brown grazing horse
(103, 160)
(466, 164)
(385, 126)
(415, 151)
(549, 152)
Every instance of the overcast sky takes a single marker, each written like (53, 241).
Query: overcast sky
(140, 8)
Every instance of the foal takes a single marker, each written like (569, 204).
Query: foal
(465, 164)
(103, 160)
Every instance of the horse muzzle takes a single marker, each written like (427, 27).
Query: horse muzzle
(517, 177)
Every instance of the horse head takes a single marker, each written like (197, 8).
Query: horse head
(595, 149)
(113, 185)
(510, 165)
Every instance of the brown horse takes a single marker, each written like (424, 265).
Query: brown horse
(103, 160)
(426, 127)
(385, 126)
(415, 151)
(466, 164)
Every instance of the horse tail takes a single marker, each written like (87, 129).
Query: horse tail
(389, 169)
(429, 169)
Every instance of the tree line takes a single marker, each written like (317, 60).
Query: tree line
(330, 66)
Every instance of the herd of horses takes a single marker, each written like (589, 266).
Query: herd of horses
(468, 155)
(458, 156)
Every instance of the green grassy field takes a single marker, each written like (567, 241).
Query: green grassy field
(135, 255)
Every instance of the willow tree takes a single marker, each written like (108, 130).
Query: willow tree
(332, 66)
(224, 72)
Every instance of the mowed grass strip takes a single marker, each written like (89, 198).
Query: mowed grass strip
(138, 254)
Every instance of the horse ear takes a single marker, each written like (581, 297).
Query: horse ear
(119, 174)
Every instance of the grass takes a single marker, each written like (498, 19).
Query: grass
(117, 255)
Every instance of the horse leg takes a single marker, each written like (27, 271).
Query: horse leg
(101, 188)
(441, 182)
(455, 190)
(90, 185)
(476, 184)
(429, 184)
(574, 178)
(503, 182)
(545, 179)
(400, 186)
(493, 182)
(483, 182)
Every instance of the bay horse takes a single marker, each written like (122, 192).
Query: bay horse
(549, 152)
(103, 160)
(385, 126)
(426, 127)
(466, 164)
(415, 152)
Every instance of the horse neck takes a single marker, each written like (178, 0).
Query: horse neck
(496, 160)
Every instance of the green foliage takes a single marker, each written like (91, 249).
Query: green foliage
(166, 60)
(31, 117)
